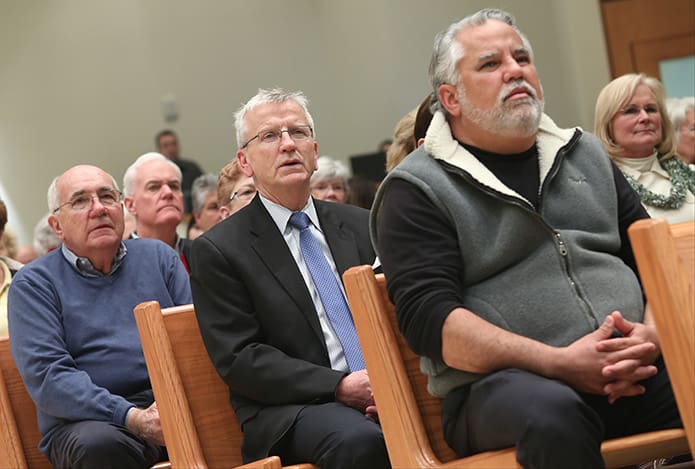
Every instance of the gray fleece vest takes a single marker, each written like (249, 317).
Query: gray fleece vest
(553, 274)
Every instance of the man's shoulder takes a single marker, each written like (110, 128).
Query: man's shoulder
(232, 233)
(47, 272)
(147, 249)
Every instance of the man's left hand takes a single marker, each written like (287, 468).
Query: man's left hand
(627, 368)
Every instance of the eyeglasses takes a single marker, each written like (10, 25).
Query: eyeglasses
(296, 133)
(634, 111)
(84, 201)
(244, 194)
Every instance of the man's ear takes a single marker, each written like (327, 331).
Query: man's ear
(130, 205)
(449, 98)
(244, 163)
(316, 156)
(54, 223)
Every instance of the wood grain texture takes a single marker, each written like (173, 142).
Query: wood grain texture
(665, 257)
(411, 418)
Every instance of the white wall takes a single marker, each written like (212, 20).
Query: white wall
(82, 81)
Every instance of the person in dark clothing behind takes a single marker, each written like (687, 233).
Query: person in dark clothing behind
(167, 143)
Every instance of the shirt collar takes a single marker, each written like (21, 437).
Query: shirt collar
(85, 267)
(636, 167)
(281, 215)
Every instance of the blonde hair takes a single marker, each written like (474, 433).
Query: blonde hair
(403, 140)
(229, 175)
(615, 96)
(8, 242)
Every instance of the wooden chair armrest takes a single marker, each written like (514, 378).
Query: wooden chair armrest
(271, 462)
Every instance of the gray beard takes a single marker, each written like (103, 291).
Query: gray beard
(519, 118)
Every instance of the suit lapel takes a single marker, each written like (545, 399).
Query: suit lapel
(271, 248)
(340, 239)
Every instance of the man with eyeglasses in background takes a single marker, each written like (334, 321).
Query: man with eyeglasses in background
(74, 337)
(270, 303)
(153, 194)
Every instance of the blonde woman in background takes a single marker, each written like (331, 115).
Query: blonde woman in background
(632, 123)
(234, 189)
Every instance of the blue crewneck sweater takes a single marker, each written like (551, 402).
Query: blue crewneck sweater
(74, 337)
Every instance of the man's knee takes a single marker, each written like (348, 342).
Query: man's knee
(543, 418)
(356, 446)
(561, 427)
(91, 444)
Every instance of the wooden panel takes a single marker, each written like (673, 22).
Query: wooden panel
(665, 257)
(630, 22)
(647, 55)
(208, 396)
(411, 417)
(23, 409)
(199, 424)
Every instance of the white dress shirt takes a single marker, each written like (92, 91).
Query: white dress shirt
(281, 217)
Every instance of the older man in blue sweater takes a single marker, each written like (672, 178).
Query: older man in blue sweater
(73, 334)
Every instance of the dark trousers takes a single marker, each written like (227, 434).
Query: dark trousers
(333, 436)
(99, 444)
(550, 424)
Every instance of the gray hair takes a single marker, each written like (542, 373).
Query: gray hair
(52, 194)
(447, 51)
(45, 238)
(202, 187)
(131, 172)
(328, 168)
(267, 96)
(678, 110)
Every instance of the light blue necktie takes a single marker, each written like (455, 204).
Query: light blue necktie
(331, 296)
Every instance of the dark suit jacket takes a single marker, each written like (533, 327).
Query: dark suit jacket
(257, 318)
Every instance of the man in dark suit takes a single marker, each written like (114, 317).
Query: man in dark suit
(273, 325)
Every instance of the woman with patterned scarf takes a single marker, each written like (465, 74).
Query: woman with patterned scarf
(632, 123)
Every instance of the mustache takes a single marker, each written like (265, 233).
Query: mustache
(521, 83)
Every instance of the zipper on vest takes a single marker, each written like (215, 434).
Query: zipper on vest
(561, 244)
(562, 247)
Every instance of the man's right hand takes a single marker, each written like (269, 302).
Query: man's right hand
(145, 423)
(355, 391)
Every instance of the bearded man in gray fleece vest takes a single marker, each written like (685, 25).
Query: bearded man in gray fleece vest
(505, 249)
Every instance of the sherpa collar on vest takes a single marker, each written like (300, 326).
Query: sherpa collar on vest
(440, 143)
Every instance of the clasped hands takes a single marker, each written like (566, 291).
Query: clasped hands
(146, 424)
(599, 363)
(355, 391)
